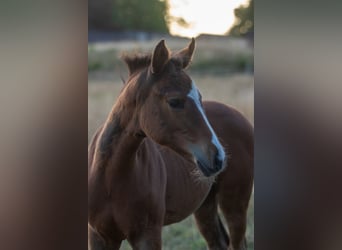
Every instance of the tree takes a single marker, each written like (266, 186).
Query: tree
(244, 20)
(100, 14)
(146, 15)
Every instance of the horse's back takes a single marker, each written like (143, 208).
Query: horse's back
(235, 133)
(229, 124)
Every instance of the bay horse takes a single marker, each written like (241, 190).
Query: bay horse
(163, 154)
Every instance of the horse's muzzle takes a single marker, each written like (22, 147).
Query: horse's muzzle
(211, 165)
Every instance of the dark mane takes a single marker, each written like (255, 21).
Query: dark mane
(136, 62)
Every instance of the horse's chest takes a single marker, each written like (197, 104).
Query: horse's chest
(140, 195)
(183, 197)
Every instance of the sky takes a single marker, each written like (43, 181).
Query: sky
(204, 16)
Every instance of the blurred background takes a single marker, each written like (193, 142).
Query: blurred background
(222, 67)
(44, 115)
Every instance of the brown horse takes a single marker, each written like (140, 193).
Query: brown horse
(161, 156)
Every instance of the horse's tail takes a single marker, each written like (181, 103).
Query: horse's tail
(224, 232)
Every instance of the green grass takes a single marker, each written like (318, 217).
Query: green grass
(217, 63)
(222, 63)
(210, 57)
(103, 60)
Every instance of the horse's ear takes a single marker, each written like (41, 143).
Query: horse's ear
(160, 57)
(186, 54)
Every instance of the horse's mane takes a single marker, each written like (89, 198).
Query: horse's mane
(137, 62)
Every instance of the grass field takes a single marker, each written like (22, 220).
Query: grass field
(216, 56)
(232, 89)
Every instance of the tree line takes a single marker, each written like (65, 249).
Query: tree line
(152, 15)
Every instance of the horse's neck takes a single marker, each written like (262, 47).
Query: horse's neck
(116, 146)
(120, 137)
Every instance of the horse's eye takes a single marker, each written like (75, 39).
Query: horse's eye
(176, 103)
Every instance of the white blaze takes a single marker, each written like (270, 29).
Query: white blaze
(193, 94)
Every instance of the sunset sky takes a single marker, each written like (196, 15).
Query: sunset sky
(204, 16)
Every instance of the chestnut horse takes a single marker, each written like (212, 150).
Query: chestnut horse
(161, 155)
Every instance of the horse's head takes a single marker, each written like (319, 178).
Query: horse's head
(168, 107)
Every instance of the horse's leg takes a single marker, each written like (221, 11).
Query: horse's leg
(96, 243)
(210, 225)
(234, 205)
(147, 239)
(237, 229)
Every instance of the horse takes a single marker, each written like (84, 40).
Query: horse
(162, 154)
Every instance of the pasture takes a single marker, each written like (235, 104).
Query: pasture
(213, 77)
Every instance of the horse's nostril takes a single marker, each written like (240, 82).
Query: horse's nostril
(218, 162)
